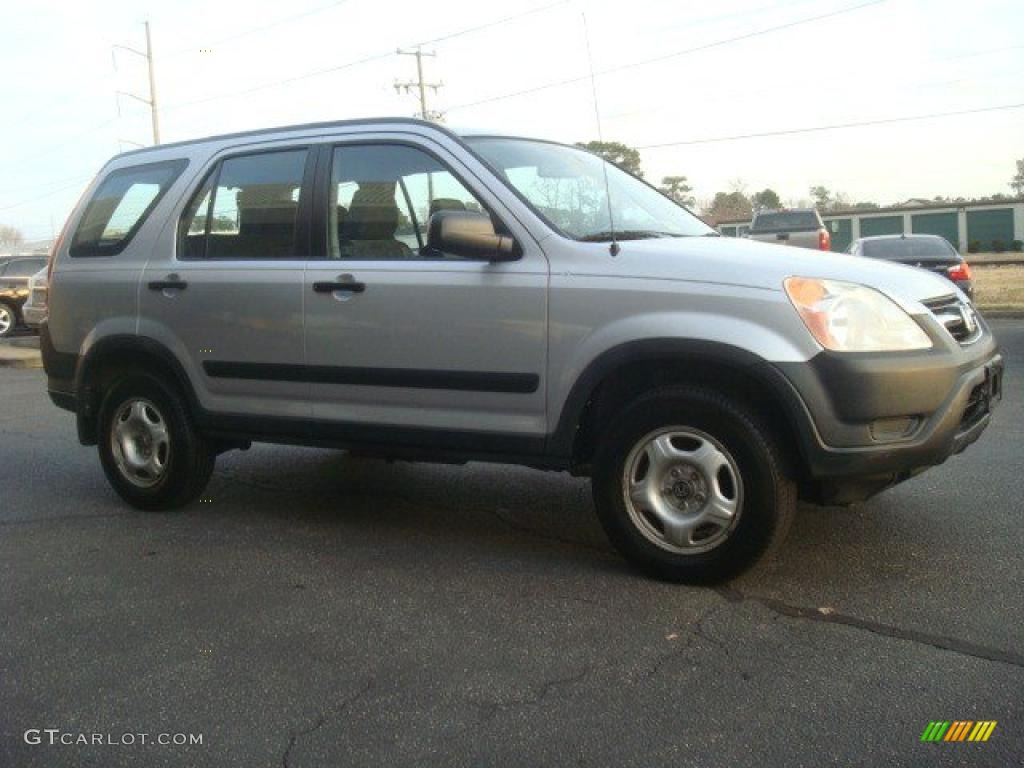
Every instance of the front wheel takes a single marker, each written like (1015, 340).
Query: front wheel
(689, 487)
(149, 448)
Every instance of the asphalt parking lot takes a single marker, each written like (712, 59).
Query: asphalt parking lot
(316, 609)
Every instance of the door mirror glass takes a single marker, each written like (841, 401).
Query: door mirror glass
(470, 235)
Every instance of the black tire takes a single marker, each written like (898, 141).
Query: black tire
(13, 320)
(189, 459)
(766, 504)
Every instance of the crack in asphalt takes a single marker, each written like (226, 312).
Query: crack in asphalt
(60, 518)
(256, 484)
(294, 736)
(941, 642)
(696, 631)
(489, 709)
(516, 527)
(21, 435)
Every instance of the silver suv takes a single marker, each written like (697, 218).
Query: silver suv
(392, 288)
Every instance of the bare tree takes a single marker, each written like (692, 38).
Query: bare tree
(1017, 182)
(11, 236)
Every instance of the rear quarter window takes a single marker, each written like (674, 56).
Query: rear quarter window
(22, 267)
(120, 206)
(909, 249)
(786, 221)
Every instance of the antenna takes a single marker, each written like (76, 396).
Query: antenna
(613, 249)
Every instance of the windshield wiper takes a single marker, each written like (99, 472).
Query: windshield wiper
(626, 234)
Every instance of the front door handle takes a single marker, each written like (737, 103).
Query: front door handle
(344, 283)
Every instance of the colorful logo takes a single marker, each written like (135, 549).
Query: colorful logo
(958, 730)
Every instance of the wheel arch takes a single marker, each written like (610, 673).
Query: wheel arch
(111, 354)
(622, 373)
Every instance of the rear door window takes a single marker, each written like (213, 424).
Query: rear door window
(908, 249)
(248, 208)
(120, 206)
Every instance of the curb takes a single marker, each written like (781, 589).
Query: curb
(1002, 313)
(20, 353)
(33, 362)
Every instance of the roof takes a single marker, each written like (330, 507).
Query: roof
(411, 121)
(904, 236)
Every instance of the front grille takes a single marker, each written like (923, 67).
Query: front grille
(957, 317)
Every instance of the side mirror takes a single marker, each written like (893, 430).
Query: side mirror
(470, 235)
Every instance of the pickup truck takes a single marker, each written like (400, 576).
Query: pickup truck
(801, 227)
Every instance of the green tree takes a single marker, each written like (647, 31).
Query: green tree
(677, 188)
(728, 206)
(616, 152)
(766, 198)
(1017, 182)
(822, 197)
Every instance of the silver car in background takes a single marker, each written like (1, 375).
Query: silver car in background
(801, 227)
(34, 311)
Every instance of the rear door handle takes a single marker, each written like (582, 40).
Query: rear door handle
(348, 286)
(167, 285)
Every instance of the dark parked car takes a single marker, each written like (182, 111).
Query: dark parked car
(929, 252)
(14, 276)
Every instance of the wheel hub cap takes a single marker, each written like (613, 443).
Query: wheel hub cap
(682, 490)
(140, 442)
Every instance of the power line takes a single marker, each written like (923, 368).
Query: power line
(261, 28)
(665, 57)
(367, 59)
(837, 126)
(43, 196)
(893, 87)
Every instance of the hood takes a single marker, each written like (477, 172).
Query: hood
(738, 261)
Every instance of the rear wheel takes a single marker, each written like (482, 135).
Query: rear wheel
(149, 448)
(8, 320)
(689, 487)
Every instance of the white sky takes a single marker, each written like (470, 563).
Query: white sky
(891, 59)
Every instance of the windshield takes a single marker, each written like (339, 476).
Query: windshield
(907, 248)
(567, 187)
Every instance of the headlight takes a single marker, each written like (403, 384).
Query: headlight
(847, 317)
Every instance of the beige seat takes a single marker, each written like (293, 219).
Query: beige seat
(368, 231)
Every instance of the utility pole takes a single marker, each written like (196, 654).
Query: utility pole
(151, 101)
(419, 84)
(425, 113)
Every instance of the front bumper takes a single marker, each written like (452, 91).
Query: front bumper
(33, 316)
(874, 420)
